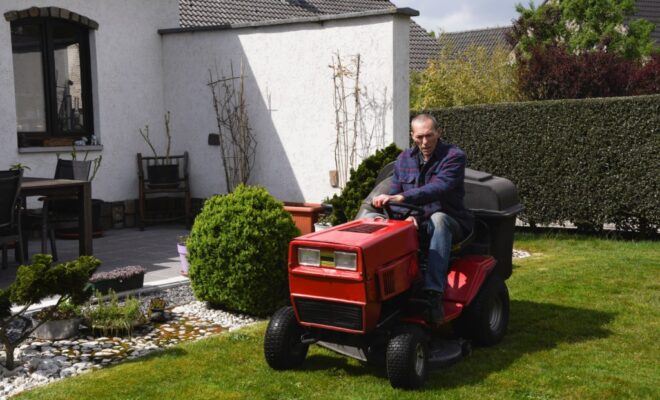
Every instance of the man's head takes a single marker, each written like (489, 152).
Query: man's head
(425, 132)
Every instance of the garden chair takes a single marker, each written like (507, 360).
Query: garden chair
(10, 215)
(165, 177)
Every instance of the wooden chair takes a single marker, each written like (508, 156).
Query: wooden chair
(57, 212)
(10, 215)
(167, 177)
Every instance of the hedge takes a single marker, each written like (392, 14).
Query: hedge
(589, 161)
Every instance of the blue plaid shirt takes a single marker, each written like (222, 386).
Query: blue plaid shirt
(438, 186)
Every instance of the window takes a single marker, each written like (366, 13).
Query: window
(52, 81)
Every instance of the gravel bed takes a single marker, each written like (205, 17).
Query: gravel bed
(40, 362)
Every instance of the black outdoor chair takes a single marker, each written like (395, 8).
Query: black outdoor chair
(56, 212)
(10, 215)
(167, 178)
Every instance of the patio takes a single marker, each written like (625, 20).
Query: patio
(154, 249)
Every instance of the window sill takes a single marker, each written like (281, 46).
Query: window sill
(59, 149)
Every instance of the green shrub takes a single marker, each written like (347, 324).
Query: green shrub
(238, 251)
(362, 181)
(590, 161)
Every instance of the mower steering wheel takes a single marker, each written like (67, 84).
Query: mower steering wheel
(412, 210)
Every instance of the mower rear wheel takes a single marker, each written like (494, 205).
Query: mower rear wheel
(283, 348)
(407, 358)
(486, 319)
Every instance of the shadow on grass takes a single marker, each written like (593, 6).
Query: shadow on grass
(533, 327)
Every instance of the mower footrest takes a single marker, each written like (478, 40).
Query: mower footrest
(447, 352)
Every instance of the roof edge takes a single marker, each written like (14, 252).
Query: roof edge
(290, 21)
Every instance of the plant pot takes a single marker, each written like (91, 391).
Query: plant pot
(163, 176)
(57, 329)
(157, 315)
(304, 215)
(183, 253)
(321, 226)
(119, 284)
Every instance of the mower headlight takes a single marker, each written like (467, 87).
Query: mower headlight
(347, 261)
(310, 257)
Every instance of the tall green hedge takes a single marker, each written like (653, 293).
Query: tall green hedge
(590, 161)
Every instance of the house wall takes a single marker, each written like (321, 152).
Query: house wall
(138, 74)
(127, 71)
(289, 90)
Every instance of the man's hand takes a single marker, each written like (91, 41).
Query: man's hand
(414, 221)
(382, 199)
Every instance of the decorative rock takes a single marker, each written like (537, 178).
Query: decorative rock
(40, 362)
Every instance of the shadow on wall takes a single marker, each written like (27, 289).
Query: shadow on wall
(271, 153)
(189, 57)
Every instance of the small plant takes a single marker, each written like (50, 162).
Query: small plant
(62, 311)
(182, 240)
(157, 303)
(324, 219)
(109, 317)
(157, 309)
(119, 273)
(145, 135)
(19, 167)
(238, 251)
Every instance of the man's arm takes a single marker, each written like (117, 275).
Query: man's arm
(451, 174)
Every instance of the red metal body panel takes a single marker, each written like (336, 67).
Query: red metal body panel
(389, 244)
(386, 266)
(466, 276)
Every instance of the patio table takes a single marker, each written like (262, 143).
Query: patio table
(81, 190)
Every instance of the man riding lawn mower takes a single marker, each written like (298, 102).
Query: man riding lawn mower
(377, 288)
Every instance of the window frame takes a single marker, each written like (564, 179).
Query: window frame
(47, 47)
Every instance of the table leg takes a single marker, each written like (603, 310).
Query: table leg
(85, 219)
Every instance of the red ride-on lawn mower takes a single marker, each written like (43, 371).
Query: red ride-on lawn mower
(356, 288)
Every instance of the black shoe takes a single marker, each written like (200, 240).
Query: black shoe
(436, 307)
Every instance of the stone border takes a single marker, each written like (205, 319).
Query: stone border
(51, 12)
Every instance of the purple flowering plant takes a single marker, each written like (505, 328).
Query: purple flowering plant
(118, 273)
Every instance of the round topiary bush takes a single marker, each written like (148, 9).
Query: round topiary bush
(238, 251)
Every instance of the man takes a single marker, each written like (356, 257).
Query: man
(430, 175)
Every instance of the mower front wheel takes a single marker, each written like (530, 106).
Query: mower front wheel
(407, 358)
(283, 347)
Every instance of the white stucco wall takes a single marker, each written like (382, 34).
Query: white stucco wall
(127, 75)
(290, 96)
(138, 74)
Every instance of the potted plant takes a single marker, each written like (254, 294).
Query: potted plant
(162, 173)
(119, 279)
(322, 222)
(57, 322)
(157, 309)
(183, 254)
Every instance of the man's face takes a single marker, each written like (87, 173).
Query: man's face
(425, 137)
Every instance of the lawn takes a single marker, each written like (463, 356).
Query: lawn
(584, 324)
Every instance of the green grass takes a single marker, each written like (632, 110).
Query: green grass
(584, 325)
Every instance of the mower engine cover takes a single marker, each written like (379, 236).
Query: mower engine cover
(339, 277)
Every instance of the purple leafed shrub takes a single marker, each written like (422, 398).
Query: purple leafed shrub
(118, 273)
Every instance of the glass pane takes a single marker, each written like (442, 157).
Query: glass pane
(68, 82)
(28, 78)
